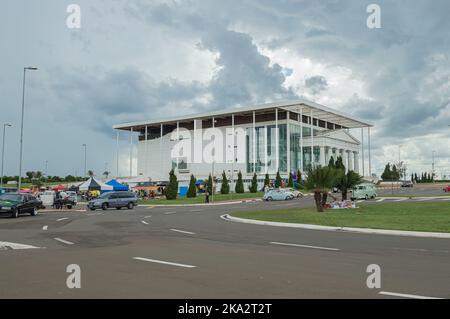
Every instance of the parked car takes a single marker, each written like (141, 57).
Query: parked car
(364, 191)
(296, 193)
(72, 196)
(16, 204)
(276, 194)
(407, 184)
(115, 200)
(446, 189)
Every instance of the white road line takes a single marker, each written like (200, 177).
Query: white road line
(381, 200)
(163, 262)
(61, 219)
(147, 217)
(15, 246)
(303, 246)
(170, 213)
(45, 227)
(94, 214)
(445, 198)
(400, 200)
(144, 222)
(360, 201)
(182, 231)
(422, 250)
(196, 210)
(395, 294)
(64, 241)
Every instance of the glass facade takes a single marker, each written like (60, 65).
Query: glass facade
(266, 137)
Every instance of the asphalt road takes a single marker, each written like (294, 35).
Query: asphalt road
(190, 252)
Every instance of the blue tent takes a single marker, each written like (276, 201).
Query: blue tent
(117, 186)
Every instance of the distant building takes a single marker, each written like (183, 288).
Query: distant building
(277, 137)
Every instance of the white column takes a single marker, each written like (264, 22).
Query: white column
(355, 162)
(346, 161)
(350, 160)
(160, 152)
(254, 142)
(370, 161)
(277, 142)
(266, 157)
(178, 139)
(288, 142)
(233, 145)
(146, 154)
(117, 154)
(131, 152)
(362, 151)
(311, 122)
(301, 140)
(322, 156)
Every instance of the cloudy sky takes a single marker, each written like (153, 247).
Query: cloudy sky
(145, 59)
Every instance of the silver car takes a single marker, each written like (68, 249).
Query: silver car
(115, 200)
(276, 194)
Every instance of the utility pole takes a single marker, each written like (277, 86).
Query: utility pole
(432, 165)
(3, 150)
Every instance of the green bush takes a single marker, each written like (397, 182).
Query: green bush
(172, 188)
(192, 191)
(254, 186)
(225, 189)
(239, 184)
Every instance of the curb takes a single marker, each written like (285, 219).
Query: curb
(405, 233)
(203, 204)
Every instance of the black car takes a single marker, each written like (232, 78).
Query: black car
(15, 204)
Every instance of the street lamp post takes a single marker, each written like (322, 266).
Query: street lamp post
(3, 150)
(21, 123)
(85, 159)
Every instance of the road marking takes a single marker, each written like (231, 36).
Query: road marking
(163, 262)
(303, 246)
(381, 200)
(400, 200)
(196, 210)
(395, 294)
(6, 245)
(45, 227)
(182, 231)
(64, 241)
(360, 201)
(149, 216)
(94, 214)
(445, 198)
(61, 219)
(144, 222)
(422, 250)
(170, 213)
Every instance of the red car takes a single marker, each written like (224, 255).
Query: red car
(446, 189)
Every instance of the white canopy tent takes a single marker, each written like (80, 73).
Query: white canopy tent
(94, 185)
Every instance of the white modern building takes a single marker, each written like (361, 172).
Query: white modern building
(258, 139)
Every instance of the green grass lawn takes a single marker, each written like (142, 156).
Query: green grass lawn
(431, 217)
(201, 199)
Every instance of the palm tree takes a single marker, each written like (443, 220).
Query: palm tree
(348, 181)
(91, 173)
(320, 180)
(106, 174)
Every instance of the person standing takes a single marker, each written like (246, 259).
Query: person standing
(207, 196)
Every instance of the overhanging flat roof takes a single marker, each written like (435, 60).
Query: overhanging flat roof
(318, 111)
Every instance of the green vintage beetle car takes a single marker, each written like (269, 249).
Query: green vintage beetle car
(15, 204)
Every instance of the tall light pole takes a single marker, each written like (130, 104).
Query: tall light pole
(85, 159)
(3, 149)
(21, 123)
